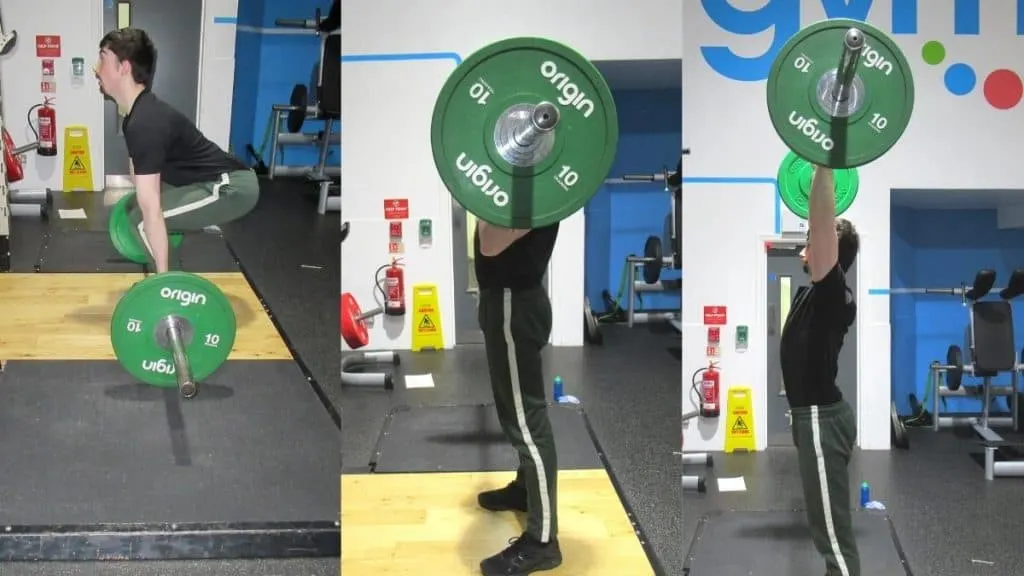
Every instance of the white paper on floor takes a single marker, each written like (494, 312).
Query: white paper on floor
(736, 484)
(419, 381)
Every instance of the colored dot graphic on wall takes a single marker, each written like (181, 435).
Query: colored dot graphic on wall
(1003, 88)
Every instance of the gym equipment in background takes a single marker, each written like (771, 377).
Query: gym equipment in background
(993, 351)
(840, 93)
(22, 202)
(356, 333)
(650, 265)
(524, 132)
(320, 100)
(695, 482)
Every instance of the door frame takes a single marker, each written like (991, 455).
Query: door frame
(788, 240)
(125, 180)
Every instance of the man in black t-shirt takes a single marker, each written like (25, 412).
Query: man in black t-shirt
(515, 316)
(182, 180)
(824, 427)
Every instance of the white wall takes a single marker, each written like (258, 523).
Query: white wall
(386, 138)
(80, 26)
(952, 142)
(217, 70)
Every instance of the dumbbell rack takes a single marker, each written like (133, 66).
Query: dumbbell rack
(936, 376)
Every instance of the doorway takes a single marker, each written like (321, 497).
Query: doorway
(786, 278)
(467, 328)
(176, 30)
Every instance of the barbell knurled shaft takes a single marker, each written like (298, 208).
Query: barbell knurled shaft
(182, 370)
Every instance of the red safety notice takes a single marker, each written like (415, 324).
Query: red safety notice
(715, 316)
(396, 209)
(47, 46)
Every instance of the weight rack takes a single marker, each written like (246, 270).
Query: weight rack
(305, 108)
(673, 185)
(936, 374)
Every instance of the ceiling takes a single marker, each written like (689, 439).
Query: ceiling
(642, 74)
(956, 199)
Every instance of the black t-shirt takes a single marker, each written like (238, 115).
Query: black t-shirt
(521, 266)
(163, 141)
(811, 340)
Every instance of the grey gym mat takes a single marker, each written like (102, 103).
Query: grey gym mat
(469, 439)
(778, 544)
(83, 444)
(72, 251)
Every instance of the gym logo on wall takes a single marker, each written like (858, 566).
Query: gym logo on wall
(1003, 88)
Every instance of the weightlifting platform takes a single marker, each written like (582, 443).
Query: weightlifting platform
(778, 543)
(99, 467)
(418, 505)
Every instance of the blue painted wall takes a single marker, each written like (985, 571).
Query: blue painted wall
(267, 67)
(934, 249)
(621, 217)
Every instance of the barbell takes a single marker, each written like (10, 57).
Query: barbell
(524, 132)
(170, 329)
(840, 93)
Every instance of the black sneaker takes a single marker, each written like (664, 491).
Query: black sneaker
(524, 556)
(511, 497)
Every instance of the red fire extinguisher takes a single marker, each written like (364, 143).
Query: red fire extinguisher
(46, 119)
(709, 390)
(394, 290)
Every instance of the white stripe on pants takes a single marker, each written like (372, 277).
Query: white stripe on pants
(517, 394)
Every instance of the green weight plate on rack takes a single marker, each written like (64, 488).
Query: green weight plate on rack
(795, 185)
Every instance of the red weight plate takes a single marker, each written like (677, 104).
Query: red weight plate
(353, 330)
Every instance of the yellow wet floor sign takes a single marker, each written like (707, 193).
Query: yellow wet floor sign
(77, 164)
(739, 424)
(426, 333)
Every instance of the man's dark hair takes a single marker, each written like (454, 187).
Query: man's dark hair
(849, 243)
(135, 47)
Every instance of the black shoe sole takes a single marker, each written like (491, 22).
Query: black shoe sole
(550, 564)
(502, 508)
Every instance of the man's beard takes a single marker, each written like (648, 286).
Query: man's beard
(807, 269)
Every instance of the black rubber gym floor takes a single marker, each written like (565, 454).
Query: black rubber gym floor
(469, 439)
(630, 396)
(258, 446)
(948, 519)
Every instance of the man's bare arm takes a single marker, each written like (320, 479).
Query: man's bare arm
(824, 241)
(495, 239)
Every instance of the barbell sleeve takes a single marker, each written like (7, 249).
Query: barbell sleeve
(25, 149)
(367, 315)
(853, 43)
(543, 119)
(296, 23)
(182, 370)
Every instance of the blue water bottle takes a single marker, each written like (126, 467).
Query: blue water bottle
(865, 494)
(559, 388)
